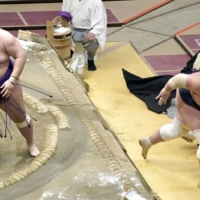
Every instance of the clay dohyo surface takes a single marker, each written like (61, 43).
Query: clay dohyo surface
(79, 158)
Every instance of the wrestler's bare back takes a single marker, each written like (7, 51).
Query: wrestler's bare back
(188, 114)
(193, 84)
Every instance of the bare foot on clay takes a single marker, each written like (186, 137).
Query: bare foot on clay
(33, 150)
(144, 148)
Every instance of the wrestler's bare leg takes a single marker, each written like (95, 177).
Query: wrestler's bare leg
(181, 115)
(155, 138)
(18, 117)
(187, 114)
(190, 115)
(27, 133)
(146, 143)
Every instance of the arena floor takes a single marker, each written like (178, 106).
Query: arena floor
(97, 156)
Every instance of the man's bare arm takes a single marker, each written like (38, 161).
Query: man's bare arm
(13, 48)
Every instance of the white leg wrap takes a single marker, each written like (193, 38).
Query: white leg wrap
(24, 123)
(172, 131)
(190, 135)
(146, 142)
(197, 136)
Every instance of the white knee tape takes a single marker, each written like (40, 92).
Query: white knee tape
(177, 81)
(24, 123)
(197, 136)
(172, 131)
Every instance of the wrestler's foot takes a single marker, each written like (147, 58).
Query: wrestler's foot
(145, 143)
(187, 139)
(91, 65)
(33, 150)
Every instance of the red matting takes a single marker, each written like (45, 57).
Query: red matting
(39, 17)
(192, 41)
(110, 16)
(190, 38)
(10, 19)
(167, 64)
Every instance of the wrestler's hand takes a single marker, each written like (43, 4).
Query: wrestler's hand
(7, 89)
(90, 36)
(163, 96)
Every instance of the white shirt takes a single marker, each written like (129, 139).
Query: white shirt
(88, 14)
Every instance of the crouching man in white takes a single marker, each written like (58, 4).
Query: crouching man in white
(88, 25)
(187, 116)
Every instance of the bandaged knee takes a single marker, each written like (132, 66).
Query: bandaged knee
(24, 123)
(197, 136)
(172, 131)
(177, 81)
